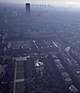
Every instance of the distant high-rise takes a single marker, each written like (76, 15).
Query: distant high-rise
(28, 8)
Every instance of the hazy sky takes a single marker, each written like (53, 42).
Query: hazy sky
(37, 1)
(66, 3)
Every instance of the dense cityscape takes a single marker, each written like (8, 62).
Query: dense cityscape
(39, 49)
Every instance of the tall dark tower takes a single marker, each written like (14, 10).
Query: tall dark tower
(28, 8)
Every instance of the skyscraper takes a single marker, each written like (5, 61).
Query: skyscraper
(28, 8)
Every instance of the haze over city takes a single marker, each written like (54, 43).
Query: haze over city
(62, 3)
(39, 46)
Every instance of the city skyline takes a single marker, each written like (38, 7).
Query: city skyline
(39, 1)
